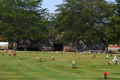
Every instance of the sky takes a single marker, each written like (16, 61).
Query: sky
(50, 4)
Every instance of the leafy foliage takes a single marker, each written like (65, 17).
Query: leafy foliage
(22, 19)
(81, 19)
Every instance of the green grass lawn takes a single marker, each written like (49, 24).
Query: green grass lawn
(86, 68)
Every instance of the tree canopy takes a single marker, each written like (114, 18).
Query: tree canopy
(23, 19)
(81, 19)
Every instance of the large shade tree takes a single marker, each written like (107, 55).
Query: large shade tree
(23, 19)
(79, 19)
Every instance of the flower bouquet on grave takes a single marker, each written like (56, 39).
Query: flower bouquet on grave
(37, 52)
(109, 63)
(98, 53)
(37, 58)
(51, 52)
(93, 57)
(72, 54)
(115, 60)
(75, 53)
(73, 64)
(9, 54)
(79, 57)
(52, 58)
(14, 54)
(107, 57)
(105, 74)
(40, 59)
(89, 52)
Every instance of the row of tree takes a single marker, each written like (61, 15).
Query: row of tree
(76, 20)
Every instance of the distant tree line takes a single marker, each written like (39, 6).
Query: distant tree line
(75, 20)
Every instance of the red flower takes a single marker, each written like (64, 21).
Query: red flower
(108, 62)
(40, 58)
(37, 52)
(79, 57)
(75, 53)
(14, 54)
(105, 73)
(92, 56)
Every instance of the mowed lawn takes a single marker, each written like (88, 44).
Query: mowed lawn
(12, 68)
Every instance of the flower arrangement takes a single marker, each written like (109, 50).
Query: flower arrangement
(98, 53)
(107, 57)
(11, 50)
(9, 54)
(109, 63)
(37, 52)
(52, 58)
(37, 58)
(89, 52)
(75, 53)
(73, 64)
(79, 57)
(51, 52)
(40, 58)
(115, 60)
(105, 73)
(72, 54)
(93, 57)
(14, 54)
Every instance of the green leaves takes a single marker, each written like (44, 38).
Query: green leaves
(80, 17)
(23, 19)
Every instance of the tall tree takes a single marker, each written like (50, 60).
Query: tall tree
(23, 19)
(78, 19)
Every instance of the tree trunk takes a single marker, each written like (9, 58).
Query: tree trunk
(39, 46)
(106, 48)
(14, 46)
(25, 45)
(76, 46)
(88, 44)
